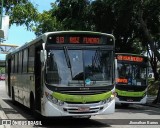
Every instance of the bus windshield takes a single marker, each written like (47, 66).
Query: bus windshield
(131, 74)
(79, 67)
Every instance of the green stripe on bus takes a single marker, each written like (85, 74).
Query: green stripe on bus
(131, 94)
(81, 98)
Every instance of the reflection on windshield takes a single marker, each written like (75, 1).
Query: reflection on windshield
(88, 67)
(131, 74)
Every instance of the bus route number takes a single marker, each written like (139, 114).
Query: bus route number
(60, 40)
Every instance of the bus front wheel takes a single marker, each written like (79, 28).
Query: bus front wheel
(124, 105)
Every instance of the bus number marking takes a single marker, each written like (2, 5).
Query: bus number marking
(60, 40)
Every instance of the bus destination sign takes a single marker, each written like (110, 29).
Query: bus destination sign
(79, 39)
(130, 58)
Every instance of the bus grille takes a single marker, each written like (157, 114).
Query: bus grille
(90, 92)
(83, 109)
(134, 99)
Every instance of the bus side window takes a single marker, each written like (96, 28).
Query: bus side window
(31, 58)
(25, 60)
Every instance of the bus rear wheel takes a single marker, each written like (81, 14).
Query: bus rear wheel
(13, 96)
(32, 103)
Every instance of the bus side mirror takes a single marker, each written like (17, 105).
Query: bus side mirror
(43, 55)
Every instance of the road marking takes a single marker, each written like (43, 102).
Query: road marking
(3, 117)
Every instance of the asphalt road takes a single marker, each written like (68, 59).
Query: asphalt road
(140, 116)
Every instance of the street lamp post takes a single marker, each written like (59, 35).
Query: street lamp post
(1, 31)
(1, 14)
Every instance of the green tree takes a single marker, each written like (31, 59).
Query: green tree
(115, 17)
(21, 12)
(65, 15)
(46, 23)
(149, 17)
(73, 14)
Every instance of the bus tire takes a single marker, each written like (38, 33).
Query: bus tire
(86, 117)
(32, 106)
(32, 103)
(124, 105)
(82, 117)
(13, 96)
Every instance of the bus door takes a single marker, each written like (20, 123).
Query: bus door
(38, 79)
(9, 76)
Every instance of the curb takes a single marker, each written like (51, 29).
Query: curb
(3, 116)
(3, 105)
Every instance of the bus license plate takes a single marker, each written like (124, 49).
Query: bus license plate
(83, 109)
(129, 100)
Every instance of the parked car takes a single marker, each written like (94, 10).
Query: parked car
(2, 77)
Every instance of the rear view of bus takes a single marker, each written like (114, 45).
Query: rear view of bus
(131, 78)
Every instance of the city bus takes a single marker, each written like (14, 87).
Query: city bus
(131, 78)
(64, 73)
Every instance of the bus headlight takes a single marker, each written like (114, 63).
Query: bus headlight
(113, 95)
(106, 100)
(60, 103)
(53, 100)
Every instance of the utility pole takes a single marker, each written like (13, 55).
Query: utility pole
(4, 48)
(1, 14)
(1, 31)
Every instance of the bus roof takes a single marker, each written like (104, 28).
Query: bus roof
(77, 32)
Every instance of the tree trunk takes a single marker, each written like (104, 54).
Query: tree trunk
(148, 41)
(157, 100)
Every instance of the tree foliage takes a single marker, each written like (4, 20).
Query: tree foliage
(21, 12)
(107, 16)
(47, 23)
(73, 14)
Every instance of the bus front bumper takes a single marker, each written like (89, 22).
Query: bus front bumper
(50, 110)
(142, 101)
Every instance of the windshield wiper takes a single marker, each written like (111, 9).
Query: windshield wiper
(68, 60)
(67, 57)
